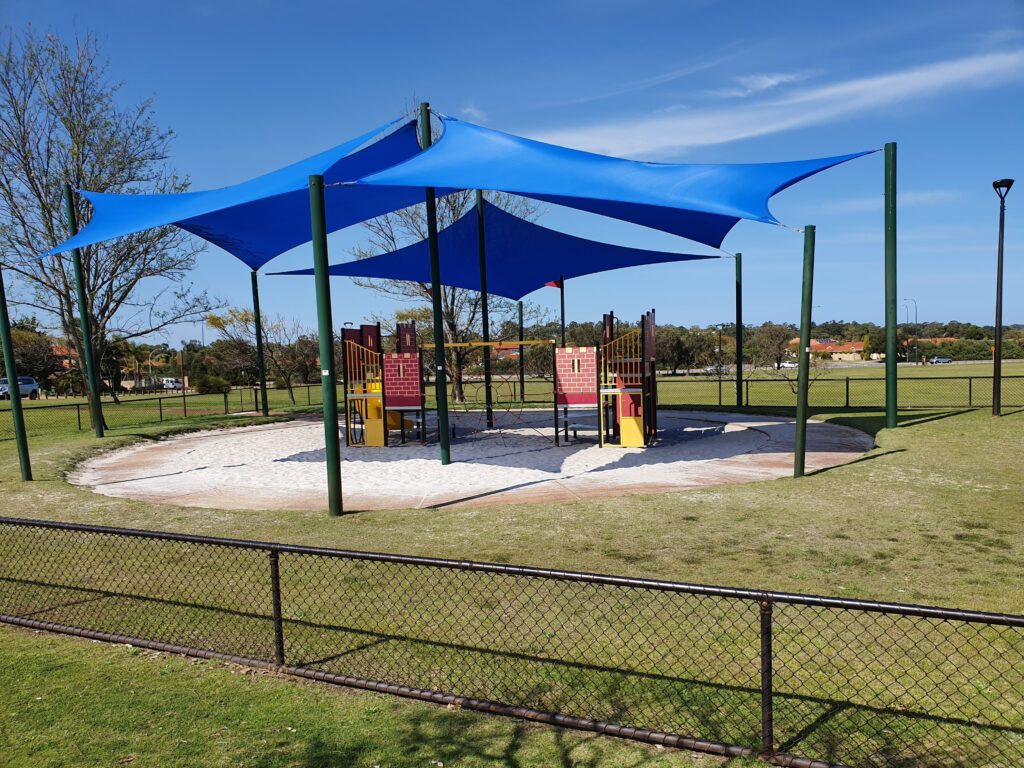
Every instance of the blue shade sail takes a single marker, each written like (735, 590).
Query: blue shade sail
(266, 216)
(699, 202)
(521, 257)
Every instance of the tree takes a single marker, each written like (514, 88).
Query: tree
(460, 308)
(290, 350)
(769, 344)
(33, 352)
(60, 121)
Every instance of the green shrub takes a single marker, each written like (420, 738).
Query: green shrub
(208, 384)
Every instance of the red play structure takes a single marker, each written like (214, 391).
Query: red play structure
(383, 390)
(612, 388)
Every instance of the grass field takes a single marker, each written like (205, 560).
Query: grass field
(932, 515)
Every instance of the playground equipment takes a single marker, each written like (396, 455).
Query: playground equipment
(383, 390)
(500, 389)
(612, 388)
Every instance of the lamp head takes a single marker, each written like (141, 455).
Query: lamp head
(1002, 187)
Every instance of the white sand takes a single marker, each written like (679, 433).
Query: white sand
(281, 466)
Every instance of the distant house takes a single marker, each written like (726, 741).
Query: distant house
(66, 355)
(837, 350)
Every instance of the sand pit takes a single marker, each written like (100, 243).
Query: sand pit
(281, 466)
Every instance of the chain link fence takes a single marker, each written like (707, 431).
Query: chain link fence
(45, 419)
(846, 392)
(801, 680)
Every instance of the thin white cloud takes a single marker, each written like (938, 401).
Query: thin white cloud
(748, 85)
(641, 85)
(674, 132)
(470, 111)
(921, 198)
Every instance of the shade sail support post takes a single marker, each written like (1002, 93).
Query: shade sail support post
(325, 330)
(13, 387)
(739, 329)
(436, 287)
(561, 302)
(261, 365)
(803, 377)
(890, 286)
(522, 358)
(92, 381)
(484, 315)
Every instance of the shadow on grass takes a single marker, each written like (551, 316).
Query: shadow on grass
(667, 695)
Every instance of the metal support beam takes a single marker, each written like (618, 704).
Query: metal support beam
(739, 329)
(890, 285)
(13, 388)
(261, 365)
(481, 238)
(325, 329)
(436, 287)
(522, 357)
(803, 378)
(92, 381)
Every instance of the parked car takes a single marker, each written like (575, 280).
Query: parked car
(940, 360)
(28, 386)
(715, 370)
(789, 364)
(172, 384)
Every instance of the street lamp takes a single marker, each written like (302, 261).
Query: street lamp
(916, 348)
(158, 348)
(1002, 187)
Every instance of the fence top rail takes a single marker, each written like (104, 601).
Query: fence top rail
(767, 596)
(704, 378)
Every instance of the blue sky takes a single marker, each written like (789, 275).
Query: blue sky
(249, 86)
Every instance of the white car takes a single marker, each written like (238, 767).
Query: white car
(789, 364)
(28, 387)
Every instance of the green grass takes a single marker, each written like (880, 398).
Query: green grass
(931, 515)
(69, 702)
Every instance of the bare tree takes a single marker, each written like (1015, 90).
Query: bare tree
(769, 344)
(60, 122)
(290, 349)
(460, 308)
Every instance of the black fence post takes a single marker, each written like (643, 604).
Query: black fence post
(970, 391)
(184, 403)
(767, 713)
(847, 391)
(225, 403)
(275, 597)
(747, 385)
(78, 408)
(160, 405)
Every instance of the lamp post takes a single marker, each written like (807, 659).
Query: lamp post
(158, 348)
(1002, 187)
(916, 329)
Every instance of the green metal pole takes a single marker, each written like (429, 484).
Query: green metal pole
(325, 328)
(484, 316)
(890, 285)
(803, 377)
(522, 359)
(739, 329)
(261, 365)
(441, 378)
(91, 379)
(13, 388)
(561, 302)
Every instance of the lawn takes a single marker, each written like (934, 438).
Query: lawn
(930, 516)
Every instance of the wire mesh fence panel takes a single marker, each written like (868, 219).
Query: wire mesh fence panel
(878, 689)
(727, 670)
(671, 662)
